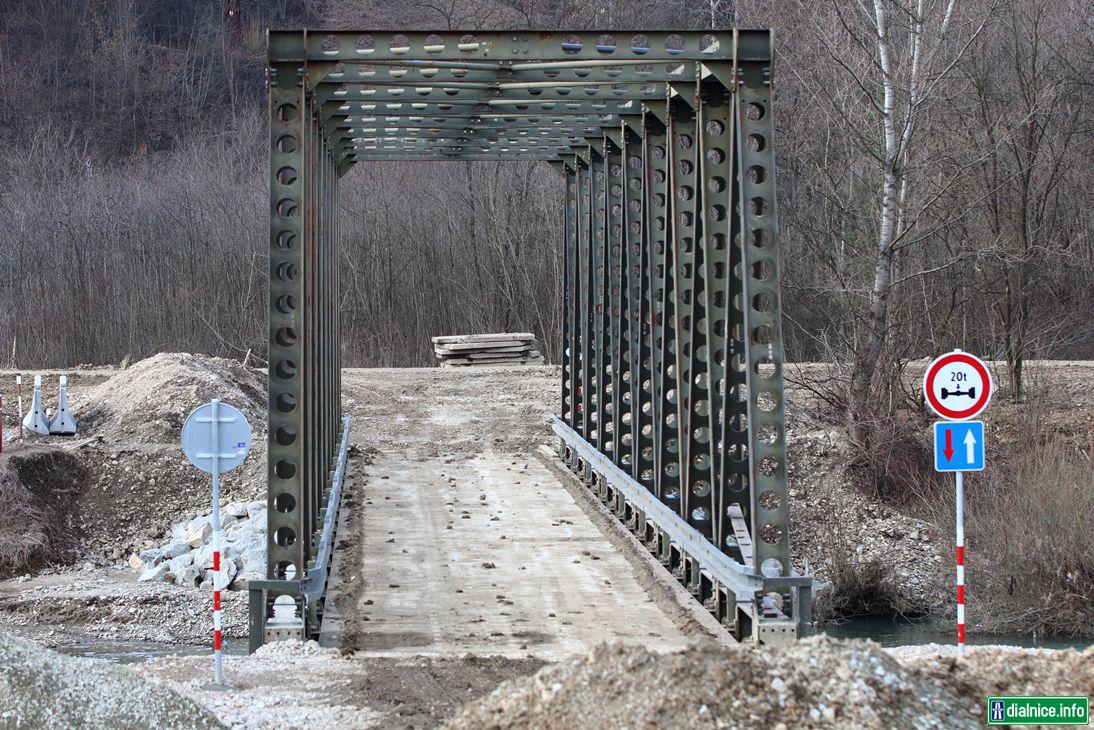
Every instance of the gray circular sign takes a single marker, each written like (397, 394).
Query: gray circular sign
(231, 444)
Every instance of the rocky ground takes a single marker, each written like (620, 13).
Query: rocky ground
(119, 485)
(90, 515)
(76, 607)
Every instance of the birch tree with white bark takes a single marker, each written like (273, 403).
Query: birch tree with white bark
(889, 66)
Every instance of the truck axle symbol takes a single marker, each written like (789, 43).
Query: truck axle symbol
(971, 392)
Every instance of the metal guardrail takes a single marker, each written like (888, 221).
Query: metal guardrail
(743, 600)
(728, 572)
(313, 587)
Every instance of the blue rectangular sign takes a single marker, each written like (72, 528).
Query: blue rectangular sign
(959, 446)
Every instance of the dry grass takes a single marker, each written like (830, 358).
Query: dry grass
(24, 525)
(1030, 523)
(895, 465)
(32, 522)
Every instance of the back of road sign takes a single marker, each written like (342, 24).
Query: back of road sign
(233, 437)
(959, 446)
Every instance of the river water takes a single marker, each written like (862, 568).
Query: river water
(136, 652)
(885, 631)
(895, 632)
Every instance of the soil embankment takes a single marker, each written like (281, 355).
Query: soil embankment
(816, 683)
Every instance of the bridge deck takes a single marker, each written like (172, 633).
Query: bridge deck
(466, 542)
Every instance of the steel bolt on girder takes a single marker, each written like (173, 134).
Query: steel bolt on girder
(672, 366)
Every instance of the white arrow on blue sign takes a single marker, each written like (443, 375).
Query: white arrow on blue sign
(959, 446)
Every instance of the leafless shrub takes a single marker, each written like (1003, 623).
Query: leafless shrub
(856, 587)
(895, 465)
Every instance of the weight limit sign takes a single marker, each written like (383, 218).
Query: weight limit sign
(957, 385)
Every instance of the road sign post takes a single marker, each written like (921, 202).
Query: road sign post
(216, 438)
(958, 386)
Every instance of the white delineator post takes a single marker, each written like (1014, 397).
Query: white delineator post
(960, 561)
(218, 671)
(19, 396)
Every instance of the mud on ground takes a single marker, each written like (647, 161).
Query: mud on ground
(304, 686)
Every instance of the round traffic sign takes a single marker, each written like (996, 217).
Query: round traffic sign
(957, 385)
(222, 452)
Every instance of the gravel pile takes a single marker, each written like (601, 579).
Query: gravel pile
(148, 402)
(42, 689)
(324, 691)
(985, 671)
(819, 682)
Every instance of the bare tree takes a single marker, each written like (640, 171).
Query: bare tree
(1024, 130)
(885, 67)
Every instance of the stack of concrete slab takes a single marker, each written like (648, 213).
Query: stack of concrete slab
(513, 348)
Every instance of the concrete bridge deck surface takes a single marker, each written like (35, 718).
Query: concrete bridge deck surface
(464, 537)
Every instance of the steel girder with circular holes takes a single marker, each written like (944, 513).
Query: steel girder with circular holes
(672, 397)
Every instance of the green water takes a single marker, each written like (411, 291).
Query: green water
(894, 632)
(136, 652)
(885, 631)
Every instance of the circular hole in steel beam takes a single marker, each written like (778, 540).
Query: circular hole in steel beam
(286, 303)
(287, 175)
(286, 369)
(286, 336)
(286, 271)
(284, 503)
(285, 469)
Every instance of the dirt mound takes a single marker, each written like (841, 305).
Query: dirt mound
(37, 485)
(819, 682)
(149, 401)
(986, 671)
(39, 688)
(138, 481)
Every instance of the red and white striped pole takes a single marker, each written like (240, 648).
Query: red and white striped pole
(218, 672)
(960, 561)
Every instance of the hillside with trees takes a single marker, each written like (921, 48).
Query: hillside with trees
(934, 180)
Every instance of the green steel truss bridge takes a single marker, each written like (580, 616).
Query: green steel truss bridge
(672, 397)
